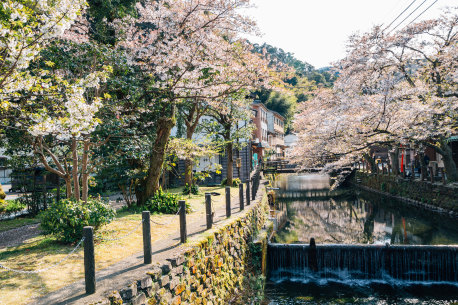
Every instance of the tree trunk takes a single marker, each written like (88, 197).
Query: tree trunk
(76, 183)
(230, 162)
(371, 162)
(188, 164)
(191, 122)
(423, 167)
(157, 154)
(446, 152)
(188, 172)
(84, 171)
(394, 160)
(68, 186)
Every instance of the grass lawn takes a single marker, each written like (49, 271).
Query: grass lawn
(43, 251)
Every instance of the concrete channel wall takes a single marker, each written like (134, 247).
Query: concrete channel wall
(209, 271)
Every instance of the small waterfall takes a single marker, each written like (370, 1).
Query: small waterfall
(363, 262)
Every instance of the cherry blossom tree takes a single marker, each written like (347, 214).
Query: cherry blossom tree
(393, 89)
(187, 52)
(26, 27)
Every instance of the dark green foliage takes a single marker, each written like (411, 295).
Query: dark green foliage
(2, 193)
(163, 202)
(194, 189)
(65, 219)
(10, 206)
(235, 182)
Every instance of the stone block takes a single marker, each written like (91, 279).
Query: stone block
(176, 300)
(174, 282)
(178, 270)
(150, 291)
(145, 282)
(155, 274)
(128, 293)
(177, 260)
(139, 299)
(179, 289)
(166, 268)
(164, 280)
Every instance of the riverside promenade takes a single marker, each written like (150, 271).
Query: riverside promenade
(126, 271)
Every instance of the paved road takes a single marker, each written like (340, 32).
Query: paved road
(121, 274)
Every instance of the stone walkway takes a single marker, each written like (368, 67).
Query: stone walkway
(121, 274)
(17, 236)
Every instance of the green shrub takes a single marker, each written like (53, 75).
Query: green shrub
(163, 202)
(194, 189)
(65, 219)
(235, 182)
(11, 206)
(2, 193)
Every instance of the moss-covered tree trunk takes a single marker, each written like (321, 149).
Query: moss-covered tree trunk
(84, 171)
(394, 161)
(442, 148)
(371, 162)
(188, 165)
(150, 184)
(423, 167)
(229, 152)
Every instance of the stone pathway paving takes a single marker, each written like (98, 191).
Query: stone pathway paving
(121, 274)
(17, 236)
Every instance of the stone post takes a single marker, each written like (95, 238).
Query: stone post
(228, 201)
(183, 230)
(146, 226)
(242, 205)
(89, 259)
(208, 209)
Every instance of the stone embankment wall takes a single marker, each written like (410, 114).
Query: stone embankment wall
(433, 196)
(210, 271)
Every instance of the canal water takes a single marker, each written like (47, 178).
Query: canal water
(356, 217)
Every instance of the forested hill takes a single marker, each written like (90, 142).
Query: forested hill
(301, 82)
(323, 76)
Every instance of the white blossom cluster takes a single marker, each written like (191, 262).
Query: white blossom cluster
(77, 117)
(192, 47)
(24, 34)
(392, 89)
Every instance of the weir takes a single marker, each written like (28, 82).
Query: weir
(362, 262)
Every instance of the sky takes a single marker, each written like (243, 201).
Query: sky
(316, 31)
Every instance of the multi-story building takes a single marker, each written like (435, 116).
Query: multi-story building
(260, 134)
(269, 135)
(276, 134)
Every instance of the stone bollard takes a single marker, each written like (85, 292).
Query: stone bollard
(146, 225)
(183, 230)
(248, 197)
(242, 205)
(228, 201)
(89, 259)
(208, 210)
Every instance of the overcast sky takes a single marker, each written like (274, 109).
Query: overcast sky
(316, 30)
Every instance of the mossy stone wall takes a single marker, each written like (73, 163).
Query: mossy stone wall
(210, 271)
(443, 197)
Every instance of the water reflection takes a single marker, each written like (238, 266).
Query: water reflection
(356, 217)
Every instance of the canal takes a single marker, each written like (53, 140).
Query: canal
(357, 218)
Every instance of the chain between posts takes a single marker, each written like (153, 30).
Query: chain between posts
(122, 237)
(167, 223)
(45, 269)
